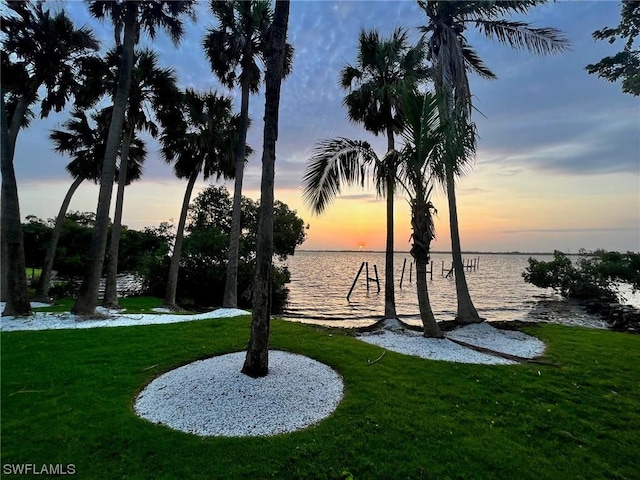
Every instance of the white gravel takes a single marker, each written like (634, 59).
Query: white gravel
(213, 398)
(117, 318)
(482, 335)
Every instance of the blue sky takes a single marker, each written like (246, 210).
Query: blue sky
(558, 159)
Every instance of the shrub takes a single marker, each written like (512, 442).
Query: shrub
(593, 276)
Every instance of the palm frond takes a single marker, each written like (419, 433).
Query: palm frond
(333, 164)
(522, 36)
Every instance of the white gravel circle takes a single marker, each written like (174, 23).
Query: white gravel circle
(484, 335)
(213, 398)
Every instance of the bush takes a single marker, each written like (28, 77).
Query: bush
(592, 276)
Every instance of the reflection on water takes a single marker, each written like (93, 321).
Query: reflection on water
(320, 282)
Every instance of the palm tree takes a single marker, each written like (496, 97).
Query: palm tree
(383, 69)
(46, 52)
(203, 141)
(85, 141)
(235, 49)
(427, 135)
(256, 363)
(38, 50)
(128, 17)
(343, 161)
(452, 56)
(152, 88)
(86, 145)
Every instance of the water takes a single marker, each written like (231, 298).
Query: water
(320, 282)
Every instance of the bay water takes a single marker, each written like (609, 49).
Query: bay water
(320, 282)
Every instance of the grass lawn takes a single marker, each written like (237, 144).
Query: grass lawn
(67, 398)
(137, 304)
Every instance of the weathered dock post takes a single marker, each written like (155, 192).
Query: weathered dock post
(377, 280)
(353, 285)
(404, 264)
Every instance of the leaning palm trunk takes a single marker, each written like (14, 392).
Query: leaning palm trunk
(230, 299)
(422, 226)
(18, 116)
(88, 294)
(11, 132)
(110, 299)
(467, 312)
(45, 278)
(256, 363)
(13, 265)
(174, 267)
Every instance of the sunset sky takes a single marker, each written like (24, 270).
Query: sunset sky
(558, 159)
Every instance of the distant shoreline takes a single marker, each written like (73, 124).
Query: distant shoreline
(439, 252)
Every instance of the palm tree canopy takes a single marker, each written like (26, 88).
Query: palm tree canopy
(47, 49)
(151, 15)
(204, 138)
(384, 68)
(85, 138)
(152, 88)
(452, 55)
(237, 46)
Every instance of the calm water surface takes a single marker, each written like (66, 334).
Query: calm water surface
(320, 282)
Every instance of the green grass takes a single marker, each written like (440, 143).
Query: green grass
(131, 304)
(67, 397)
(33, 272)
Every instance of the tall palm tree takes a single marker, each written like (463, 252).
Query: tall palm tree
(256, 363)
(452, 57)
(152, 89)
(40, 51)
(203, 141)
(130, 18)
(384, 67)
(236, 48)
(343, 161)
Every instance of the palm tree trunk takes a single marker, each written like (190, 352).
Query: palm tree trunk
(88, 295)
(389, 287)
(230, 298)
(172, 280)
(467, 312)
(431, 328)
(422, 230)
(110, 299)
(16, 123)
(256, 363)
(12, 241)
(11, 137)
(45, 278)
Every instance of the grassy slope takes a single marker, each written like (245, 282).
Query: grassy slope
(67, 397)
